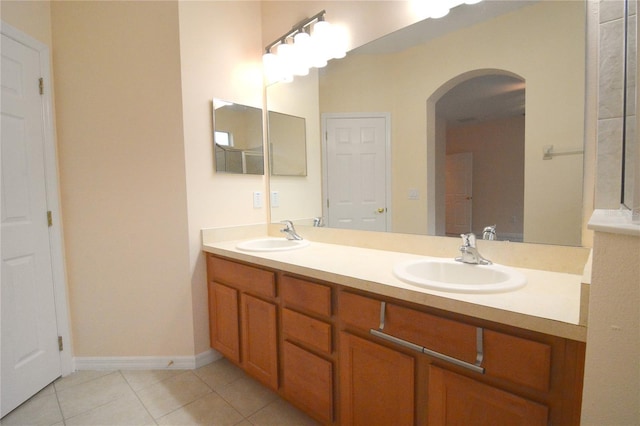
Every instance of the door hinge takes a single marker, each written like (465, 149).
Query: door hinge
(49, 219)
(41, 85)
(327, 203)
(60, 344)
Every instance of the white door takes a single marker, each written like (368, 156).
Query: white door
(458, 193)
(356, 173)
(30, 355)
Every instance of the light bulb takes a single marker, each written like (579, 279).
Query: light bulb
(338, 42)
(322, 39)
(271, 64)
(286, 55)
(301, 54)
(433, 8)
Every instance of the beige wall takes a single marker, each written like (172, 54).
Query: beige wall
(220, 54)
(122, 176)
(30, 17)
(612, 379)
(137, 186)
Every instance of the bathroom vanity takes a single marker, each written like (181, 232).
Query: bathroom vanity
(350, 350)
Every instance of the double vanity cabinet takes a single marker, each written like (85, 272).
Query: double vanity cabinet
(350, 357)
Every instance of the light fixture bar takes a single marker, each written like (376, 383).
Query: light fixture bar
(299, 27)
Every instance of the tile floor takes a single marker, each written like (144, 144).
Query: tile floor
(217, 394)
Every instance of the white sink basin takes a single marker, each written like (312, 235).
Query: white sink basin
(272, 244)
(449, 275)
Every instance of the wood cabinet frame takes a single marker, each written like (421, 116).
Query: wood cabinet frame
(321, 328)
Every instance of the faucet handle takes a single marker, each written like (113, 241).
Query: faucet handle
(290, 230)
(489, 232)
(468, 240)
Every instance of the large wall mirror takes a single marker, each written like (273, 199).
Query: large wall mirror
(493, 94)
(237, 138)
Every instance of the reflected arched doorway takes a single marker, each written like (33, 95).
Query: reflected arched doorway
(475, 154)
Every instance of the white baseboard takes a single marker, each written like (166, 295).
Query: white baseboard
(146, 362)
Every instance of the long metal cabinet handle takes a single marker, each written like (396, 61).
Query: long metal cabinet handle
(473, 367)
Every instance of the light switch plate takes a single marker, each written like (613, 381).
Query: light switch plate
(257, 200)
(275, 199)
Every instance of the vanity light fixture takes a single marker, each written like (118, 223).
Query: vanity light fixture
(437, 8)
(311, 43)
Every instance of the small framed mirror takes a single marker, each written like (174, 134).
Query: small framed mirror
(237, 138)
(288, 144)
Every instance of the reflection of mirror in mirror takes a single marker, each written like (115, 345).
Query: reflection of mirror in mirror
(237, 138)
(542, 43)
(630, 139)
(288, 145)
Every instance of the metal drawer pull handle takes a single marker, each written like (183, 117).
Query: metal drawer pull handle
(473, 367)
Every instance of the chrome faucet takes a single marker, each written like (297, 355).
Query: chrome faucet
(469, 252)
(489, 232)
(290, 231)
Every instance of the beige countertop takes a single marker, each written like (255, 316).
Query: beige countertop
(550, 302)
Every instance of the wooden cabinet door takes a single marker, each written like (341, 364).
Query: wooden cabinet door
(259, 340)
(224, 326)
(459, 400)
(376, 384)
(307, 380)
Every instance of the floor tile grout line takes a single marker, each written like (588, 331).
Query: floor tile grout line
(205, 396)
(55, 391)
(229, 402)
(225, 399)
(107, 373)
(135, 392)
(192, 372)
(252, 413)
(64, 418)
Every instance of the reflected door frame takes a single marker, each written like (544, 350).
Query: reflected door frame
(325, 184)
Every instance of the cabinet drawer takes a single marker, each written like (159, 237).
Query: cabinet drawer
(308, 381)
(303, 294)
(359, 311)
(451, 338)
(307, 330)
(246, 278)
